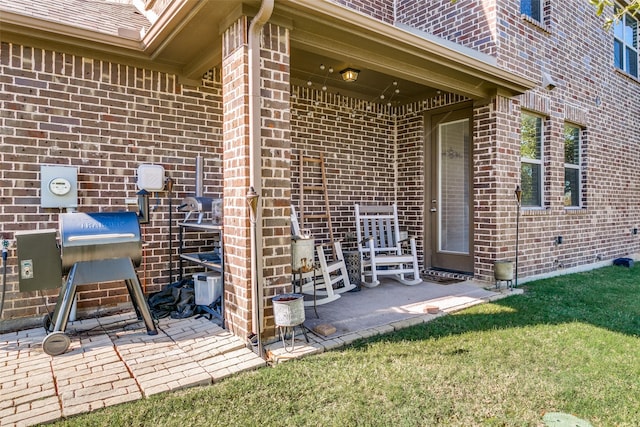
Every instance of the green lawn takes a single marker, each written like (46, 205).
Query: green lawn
(569, 344)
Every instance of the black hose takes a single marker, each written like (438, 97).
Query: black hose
(170, 194)
(4, 274)
(170, 242)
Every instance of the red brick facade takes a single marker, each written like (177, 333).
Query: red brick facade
(235, 126)
(107, 118)
(571, 46)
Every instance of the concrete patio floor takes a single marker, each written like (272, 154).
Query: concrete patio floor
(112, 360)
(373, 311)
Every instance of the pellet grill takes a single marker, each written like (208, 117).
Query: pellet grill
(96, 247)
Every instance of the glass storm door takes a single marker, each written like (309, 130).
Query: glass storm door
(451, 204)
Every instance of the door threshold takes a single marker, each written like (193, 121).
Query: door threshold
(444, 276)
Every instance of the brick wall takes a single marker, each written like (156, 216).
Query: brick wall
(357, 140)
(571, 46)
(276, 166)
(105, 119)
(410, 182)
(274, 187)
(382, 10)
(373, 154)
(469, 23)
(495, 175)
(236, 177)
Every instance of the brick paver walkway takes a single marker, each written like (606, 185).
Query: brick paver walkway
(112, 360)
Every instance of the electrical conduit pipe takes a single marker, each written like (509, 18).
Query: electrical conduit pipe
(255, 164)
(5, 245)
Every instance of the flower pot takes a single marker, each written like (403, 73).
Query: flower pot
(288, 309)
(503, 270)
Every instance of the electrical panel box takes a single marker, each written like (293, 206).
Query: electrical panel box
(58, 186)
(39, 262)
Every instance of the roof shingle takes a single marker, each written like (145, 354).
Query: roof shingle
(103, 16)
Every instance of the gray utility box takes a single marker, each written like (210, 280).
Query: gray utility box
(58, 186)
(39, 263)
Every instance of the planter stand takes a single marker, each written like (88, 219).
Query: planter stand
(286, 331)
(288, 312)
(503, 272)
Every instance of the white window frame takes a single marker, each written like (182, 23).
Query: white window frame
(577, 166)
(540, 10)
(539, 162)
(625, 65)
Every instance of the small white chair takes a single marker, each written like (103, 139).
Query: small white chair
(334, 272)
(331, 272)
(380, 247)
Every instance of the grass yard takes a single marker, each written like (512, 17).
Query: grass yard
(569, 344)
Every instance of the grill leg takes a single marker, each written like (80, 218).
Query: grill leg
(140, 304)
(85, 272)
(130, 285)
(63, 306)
(107, 270)
(56, 342)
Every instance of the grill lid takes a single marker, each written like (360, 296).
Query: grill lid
(102, 235)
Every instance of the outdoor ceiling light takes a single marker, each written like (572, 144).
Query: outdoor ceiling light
(349, 74)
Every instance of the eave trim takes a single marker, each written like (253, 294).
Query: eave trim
(363, 26)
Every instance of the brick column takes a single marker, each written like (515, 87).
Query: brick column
(276, 166)
(237, 232)
(275, 192)
(496, 155)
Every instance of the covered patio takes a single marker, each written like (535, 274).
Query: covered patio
(267, 81)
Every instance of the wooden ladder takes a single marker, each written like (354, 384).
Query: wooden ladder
(308, 189)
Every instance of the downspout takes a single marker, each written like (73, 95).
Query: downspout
(395, 155)
(255, 163)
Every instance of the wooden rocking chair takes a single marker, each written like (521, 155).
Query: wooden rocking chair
(380, 247)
